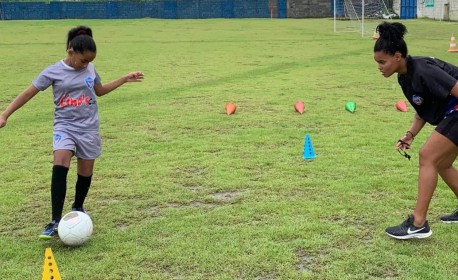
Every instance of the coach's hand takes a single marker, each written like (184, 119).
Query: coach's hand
(404, 142)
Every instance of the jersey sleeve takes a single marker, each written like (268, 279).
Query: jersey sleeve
(97, 79)
(43, 80)
(438, 81)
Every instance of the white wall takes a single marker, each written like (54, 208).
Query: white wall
(438, 11)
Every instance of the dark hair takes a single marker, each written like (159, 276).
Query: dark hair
(391, 38)
(79, 39)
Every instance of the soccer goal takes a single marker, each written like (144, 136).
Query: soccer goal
(360, 16)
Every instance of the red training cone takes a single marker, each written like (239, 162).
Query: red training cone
(401, 105)
(299, 107)
(230, 108)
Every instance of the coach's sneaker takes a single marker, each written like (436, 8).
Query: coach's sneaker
(408, 230)
(452, 218)
(50, 230)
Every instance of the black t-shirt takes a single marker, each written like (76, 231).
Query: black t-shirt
(427, 85)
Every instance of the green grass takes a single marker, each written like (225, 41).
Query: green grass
(183, 191)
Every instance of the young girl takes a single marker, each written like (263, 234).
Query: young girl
(430, 85)
(75, 85)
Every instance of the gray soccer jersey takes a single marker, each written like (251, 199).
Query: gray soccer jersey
(74, 96)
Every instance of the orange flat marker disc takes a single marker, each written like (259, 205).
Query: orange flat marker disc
(401, 106)
(230, 108)
(299, 107)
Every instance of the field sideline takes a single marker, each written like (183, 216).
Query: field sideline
(183, 191)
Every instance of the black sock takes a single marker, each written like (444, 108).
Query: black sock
(58, 190)
(81, 189)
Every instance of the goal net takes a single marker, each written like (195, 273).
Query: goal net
(360, 16)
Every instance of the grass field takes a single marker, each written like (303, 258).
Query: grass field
(183, 191)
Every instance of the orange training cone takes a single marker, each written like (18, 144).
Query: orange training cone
(452, 44)
(299, 107)
(401, 105)
(230, 108)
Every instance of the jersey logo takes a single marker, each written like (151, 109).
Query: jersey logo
(57, 138)
(89, 82)
(417, 99)
(82, 100)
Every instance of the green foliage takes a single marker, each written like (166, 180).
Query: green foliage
(183, 191)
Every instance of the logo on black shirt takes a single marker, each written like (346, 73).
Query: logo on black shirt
(417, 99)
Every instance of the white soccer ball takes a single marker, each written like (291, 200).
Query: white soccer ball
(75, 228)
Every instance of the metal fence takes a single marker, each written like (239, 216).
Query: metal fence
(166, 9)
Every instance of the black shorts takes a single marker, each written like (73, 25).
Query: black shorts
(449, 127)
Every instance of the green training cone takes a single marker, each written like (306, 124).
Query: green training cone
(350, 106)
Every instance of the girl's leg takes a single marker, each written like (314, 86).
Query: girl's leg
(434, 158)
(61, 162)
(85, 169)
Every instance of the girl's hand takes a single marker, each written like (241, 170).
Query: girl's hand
(2, 121)
(136, 76)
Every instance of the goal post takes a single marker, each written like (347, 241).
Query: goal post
(360, 16)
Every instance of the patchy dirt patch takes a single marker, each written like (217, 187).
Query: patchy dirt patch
(155, 211)
(192, 204)
(226, 196)
(192, 187)
(122, 226)
(304, 260)
(267, 277)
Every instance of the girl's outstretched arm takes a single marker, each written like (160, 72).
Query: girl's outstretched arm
(17, 103)
(101, 89)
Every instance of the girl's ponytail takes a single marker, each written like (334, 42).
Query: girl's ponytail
(391, 38)
(79, 39)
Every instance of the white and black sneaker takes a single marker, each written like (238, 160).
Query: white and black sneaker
(408, 230)
(452, 218)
